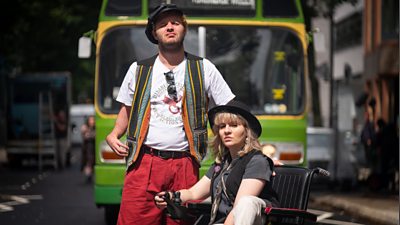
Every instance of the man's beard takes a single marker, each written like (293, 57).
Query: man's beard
(171, 47)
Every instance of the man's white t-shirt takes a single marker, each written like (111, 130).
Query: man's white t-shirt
(166, 125)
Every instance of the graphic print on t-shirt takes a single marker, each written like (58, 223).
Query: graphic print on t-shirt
(173, 107)
(166, 110)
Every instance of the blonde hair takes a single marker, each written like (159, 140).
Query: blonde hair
(184, 21)
(219, 150)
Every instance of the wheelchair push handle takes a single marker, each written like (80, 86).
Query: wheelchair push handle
(174, 208)
(322, 172)
(166, 197)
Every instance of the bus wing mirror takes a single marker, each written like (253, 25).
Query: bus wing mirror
(84, 48)
(319, 42)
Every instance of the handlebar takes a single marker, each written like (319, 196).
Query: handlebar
(322, 172)
(176, 211)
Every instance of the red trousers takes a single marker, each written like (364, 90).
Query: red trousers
(149, 176)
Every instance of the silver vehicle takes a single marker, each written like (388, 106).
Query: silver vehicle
(79, 113)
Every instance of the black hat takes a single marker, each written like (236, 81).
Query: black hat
(153, 17)
(239, 108)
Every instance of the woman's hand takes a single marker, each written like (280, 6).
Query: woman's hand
(159, 199)
(277, 162)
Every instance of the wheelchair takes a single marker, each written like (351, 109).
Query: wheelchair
(291, 183)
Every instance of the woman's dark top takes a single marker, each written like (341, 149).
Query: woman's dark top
(253, 165)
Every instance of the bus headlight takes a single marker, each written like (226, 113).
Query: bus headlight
(107, 155)
(289, 152)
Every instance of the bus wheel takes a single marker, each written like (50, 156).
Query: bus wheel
(111, 214)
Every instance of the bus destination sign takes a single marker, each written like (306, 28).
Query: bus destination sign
(218, 8)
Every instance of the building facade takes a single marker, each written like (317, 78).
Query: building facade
(362, 85)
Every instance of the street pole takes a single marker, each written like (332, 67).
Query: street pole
(333, 97)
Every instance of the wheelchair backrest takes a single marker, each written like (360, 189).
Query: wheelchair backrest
(292, 184)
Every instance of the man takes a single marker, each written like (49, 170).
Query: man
(61, 131)
(165, 98)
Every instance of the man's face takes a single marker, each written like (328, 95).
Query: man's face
(169, 30)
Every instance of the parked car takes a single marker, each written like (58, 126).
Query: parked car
(320, 145)
(79, 114)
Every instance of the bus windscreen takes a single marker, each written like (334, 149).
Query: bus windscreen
(264, 66)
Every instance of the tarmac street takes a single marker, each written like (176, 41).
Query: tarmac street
(332, 207)
(373, 208)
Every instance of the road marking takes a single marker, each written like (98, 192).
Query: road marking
(34, 180)
(322, 217)
(16, 200)
(5, 208)
(32, 197)
(19, 199)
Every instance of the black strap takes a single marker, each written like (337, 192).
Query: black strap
(218, 195)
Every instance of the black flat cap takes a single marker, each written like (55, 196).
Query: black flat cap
(154, 15)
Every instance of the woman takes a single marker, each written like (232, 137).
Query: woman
(239, 180)
(88, 131)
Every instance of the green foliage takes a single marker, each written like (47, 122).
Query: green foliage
(43, 36)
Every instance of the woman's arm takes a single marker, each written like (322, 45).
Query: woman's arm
(247, 187)
(199, 191)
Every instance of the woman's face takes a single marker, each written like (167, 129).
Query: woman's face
(233, 135)
(91, 121)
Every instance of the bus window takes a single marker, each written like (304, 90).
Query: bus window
(254, 68)
(120, 48)
(269, 77)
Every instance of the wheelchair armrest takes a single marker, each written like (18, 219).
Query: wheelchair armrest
(277, 214)
(202, 210)
(202, 207)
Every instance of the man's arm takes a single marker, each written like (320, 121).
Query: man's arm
(217, 88)
(121, 124)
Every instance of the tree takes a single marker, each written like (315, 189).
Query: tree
(43, 36)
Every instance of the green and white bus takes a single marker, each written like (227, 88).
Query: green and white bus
(259, 46)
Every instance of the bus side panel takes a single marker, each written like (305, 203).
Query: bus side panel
(109, 177)
(108, 186)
